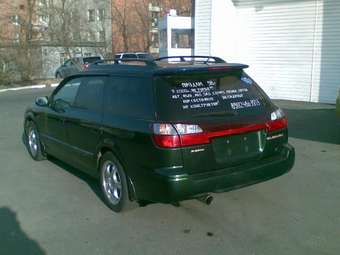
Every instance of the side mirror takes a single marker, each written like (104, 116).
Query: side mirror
(60, 105)
(41, 101)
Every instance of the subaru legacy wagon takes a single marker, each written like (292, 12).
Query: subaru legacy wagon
(162, 131)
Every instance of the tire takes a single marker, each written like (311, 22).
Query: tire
(33, 143)
(113, 183)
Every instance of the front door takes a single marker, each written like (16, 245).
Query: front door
(83, 122)
(60, 104)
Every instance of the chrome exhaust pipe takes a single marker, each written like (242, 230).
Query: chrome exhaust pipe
(206, 199)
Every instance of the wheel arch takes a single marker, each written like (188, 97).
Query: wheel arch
(29, 117)
(109, 146)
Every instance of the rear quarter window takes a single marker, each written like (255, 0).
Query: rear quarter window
(130, 97)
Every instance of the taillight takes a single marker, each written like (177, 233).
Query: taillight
(185, 129)
(178, 135)
(167, 135)
(277, 121)
(85, 66)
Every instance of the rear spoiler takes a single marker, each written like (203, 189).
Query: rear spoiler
(219, 68)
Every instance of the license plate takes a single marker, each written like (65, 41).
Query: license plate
(236, 148)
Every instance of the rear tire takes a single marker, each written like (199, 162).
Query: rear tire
(33, 143)
(113, 183)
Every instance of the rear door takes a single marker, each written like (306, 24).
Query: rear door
(228, 106)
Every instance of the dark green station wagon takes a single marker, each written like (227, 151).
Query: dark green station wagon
(162, 130)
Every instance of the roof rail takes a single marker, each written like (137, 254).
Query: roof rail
(117, 61)
(183, 59)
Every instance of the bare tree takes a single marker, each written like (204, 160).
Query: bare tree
(18, 39)
(142, 10)
(121, 20)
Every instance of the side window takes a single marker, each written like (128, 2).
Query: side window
(90, 93)
(68, 92)
(131, 97)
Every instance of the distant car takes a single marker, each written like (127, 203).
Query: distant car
(74, 65)
(338, 104)
(133, 55)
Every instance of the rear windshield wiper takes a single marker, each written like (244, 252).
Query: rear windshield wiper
(216, 114)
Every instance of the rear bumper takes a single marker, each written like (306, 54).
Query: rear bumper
(169, 186)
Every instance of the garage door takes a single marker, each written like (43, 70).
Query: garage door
(292, 46)
(277, 39)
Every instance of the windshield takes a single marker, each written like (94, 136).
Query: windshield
(197, 96)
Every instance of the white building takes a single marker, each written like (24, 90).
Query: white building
(176, 35)
(292, 46)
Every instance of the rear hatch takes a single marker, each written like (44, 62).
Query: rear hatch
(227, 110)
(87, 61)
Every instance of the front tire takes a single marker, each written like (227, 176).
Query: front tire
(113, 183)
(33, 143)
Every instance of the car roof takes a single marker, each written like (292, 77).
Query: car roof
(125, 53)
(150, 67)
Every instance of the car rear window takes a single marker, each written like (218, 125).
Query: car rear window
(90, 60)
(129, 55)
(193, 96)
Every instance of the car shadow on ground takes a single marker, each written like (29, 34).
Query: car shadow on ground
(13, 240)
(310, 121)
(90, 181)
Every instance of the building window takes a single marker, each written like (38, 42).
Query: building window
(91, 15)
(154, 40)
(101, 14)
(76, 36)
(62, 58)
(91, 37)
(16, 38)
(15, 20)
(101, 36)
(154, 19)
(43, 19)
(181, 38)
(42, 3)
